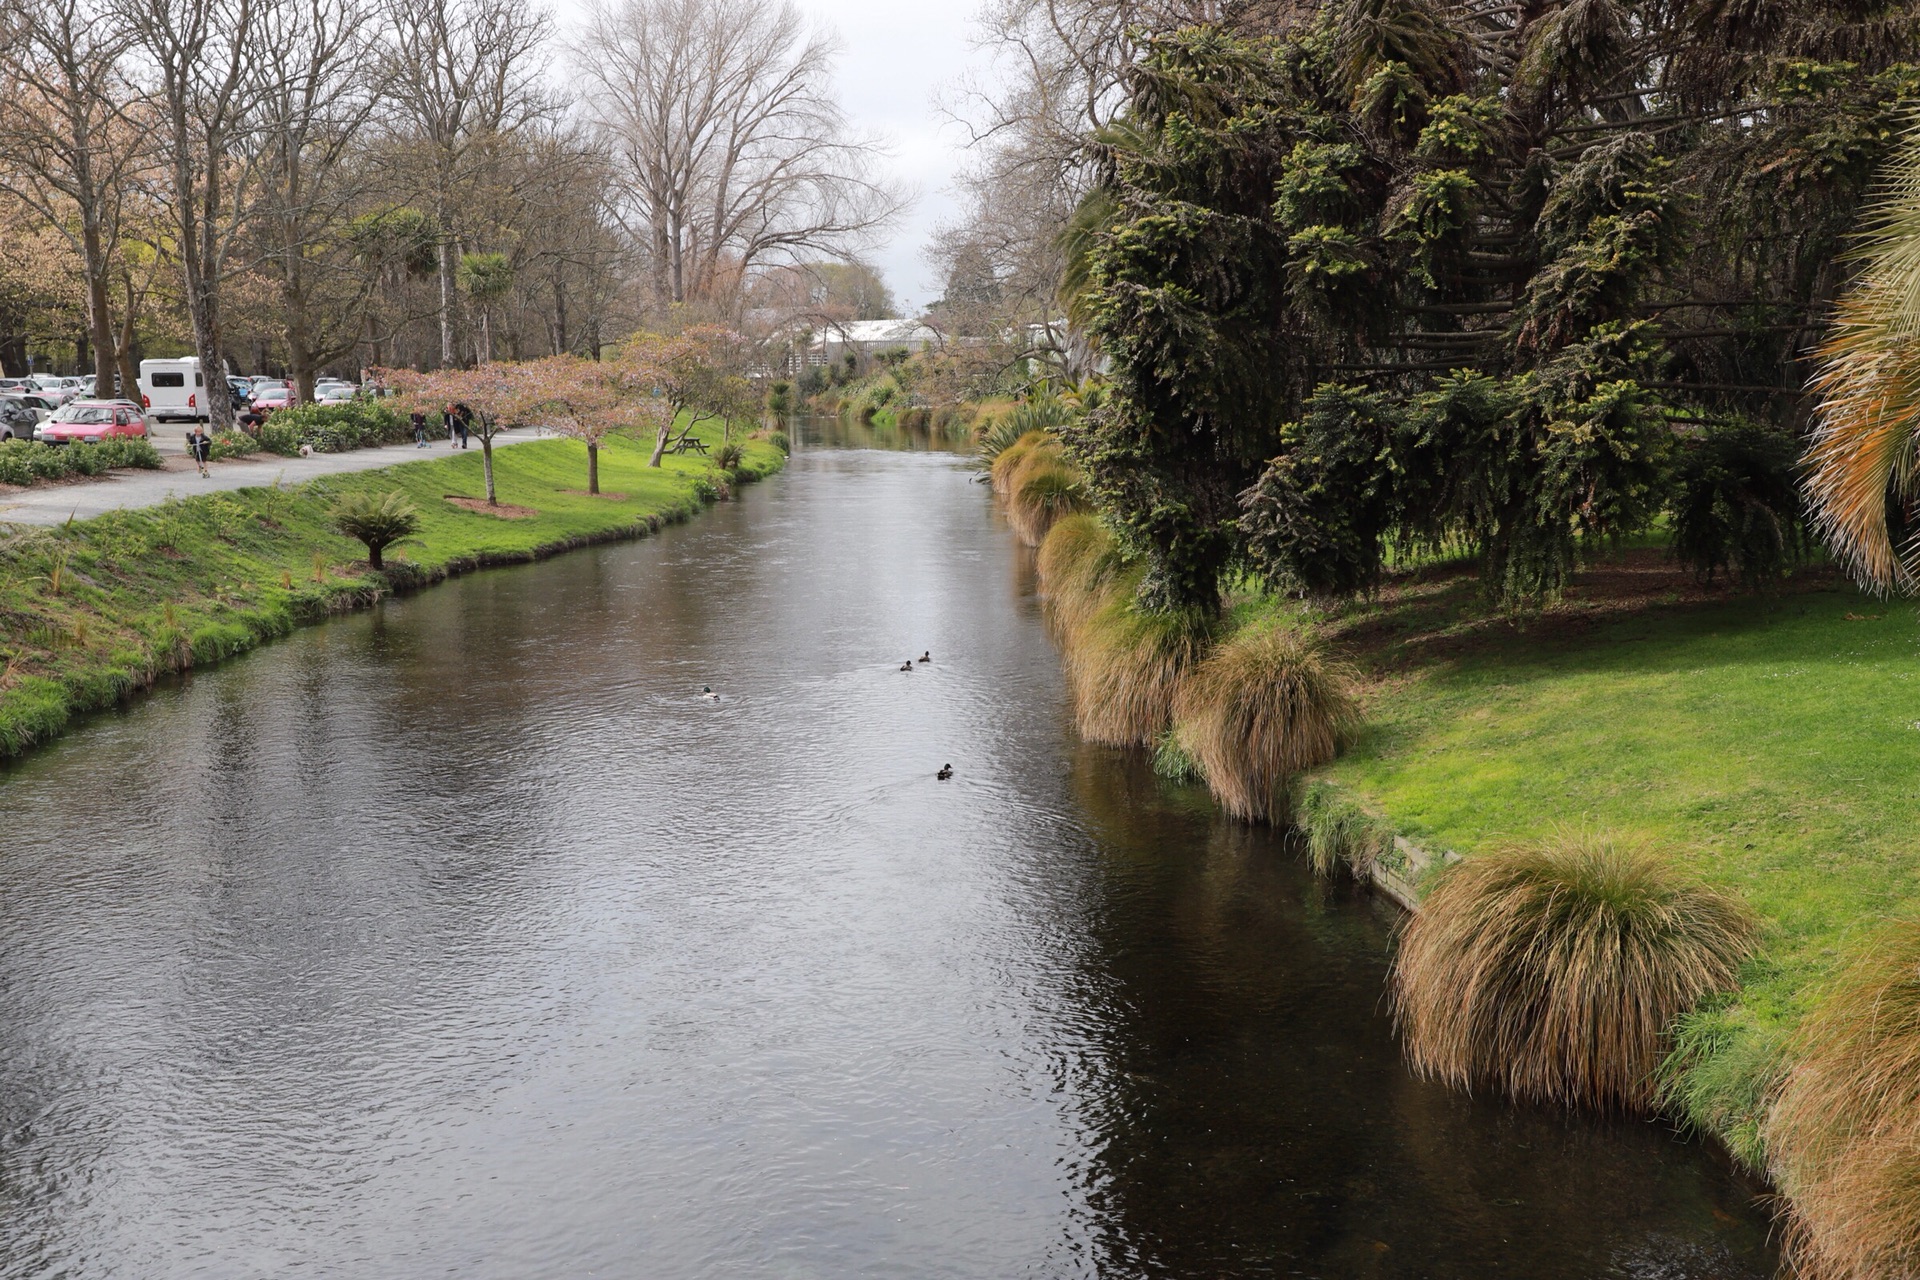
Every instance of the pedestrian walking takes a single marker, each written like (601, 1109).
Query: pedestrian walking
(200, 445)
(447, 421)
(463, 422)
(419, 429)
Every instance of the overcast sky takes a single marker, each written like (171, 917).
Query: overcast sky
(898, 59)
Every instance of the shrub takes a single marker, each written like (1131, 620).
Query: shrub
(780, 398)
(333, 428)
(1845, 1129)
(24, 462)
(1735, 507)
(234, 444)
(727, 456)
(1555, 971)
(378, 520)
(1265, 705)
(778, 440)
(1125, 663)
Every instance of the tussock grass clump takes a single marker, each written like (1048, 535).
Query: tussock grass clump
(1079, 562)
(1554, 971)
(1008, 460)
(1045, 490)
(1125, 665)
(1267, 704)
(1845, 1132)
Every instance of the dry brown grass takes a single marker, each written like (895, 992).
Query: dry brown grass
(1267, 704)
(1126, 665)
(1845, 1132)
(1554, 971)
(1078, 563)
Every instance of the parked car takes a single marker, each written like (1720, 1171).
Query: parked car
(334, 395)
(42, 407)
(16, 420)
(91, 421)
(56, 390)
(273, 396)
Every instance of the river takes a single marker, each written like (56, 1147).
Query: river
(462, 938)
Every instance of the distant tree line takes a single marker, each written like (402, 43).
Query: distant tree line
(338, 184)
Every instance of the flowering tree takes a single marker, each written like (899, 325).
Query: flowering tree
(694, 373)
(584, 400)
(588, 400)
(497, 393)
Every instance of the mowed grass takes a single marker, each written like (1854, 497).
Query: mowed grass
(1771, 747)
(94, 612)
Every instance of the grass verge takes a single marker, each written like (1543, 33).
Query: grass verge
(96, 611)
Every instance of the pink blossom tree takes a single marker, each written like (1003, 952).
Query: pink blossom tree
(693, 373)
(495, 392)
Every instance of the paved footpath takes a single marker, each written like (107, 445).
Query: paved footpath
(120, 490)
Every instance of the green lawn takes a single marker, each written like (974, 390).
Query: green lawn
(1774, 746)
(96, 611)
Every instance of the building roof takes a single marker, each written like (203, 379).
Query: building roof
(882, 331)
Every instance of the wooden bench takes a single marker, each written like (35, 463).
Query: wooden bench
(688, 443)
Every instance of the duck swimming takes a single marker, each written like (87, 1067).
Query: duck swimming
(927, 656)
(946, 771)
(906, 666)
(706, 691)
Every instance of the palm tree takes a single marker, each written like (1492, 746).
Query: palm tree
(1863, 484)
(486, 278)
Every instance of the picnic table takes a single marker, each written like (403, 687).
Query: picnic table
(688, 442)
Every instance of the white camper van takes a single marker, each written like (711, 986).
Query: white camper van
(173, 388)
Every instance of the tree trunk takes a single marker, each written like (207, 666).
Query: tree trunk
(129, 367)
(660, 445)
(593, 467)
(559, 317)
(373, 556)
(486, 464)
(299, 356)
(446, 299)
(99, 323)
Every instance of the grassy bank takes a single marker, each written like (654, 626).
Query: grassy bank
(1716, 790)
(94, 612)
(1767, 746)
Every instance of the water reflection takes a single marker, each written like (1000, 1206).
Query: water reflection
(461, 937)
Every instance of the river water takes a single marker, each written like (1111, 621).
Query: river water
(461, 938)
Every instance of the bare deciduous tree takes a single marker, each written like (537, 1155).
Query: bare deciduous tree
(462, 75)
(730, 146)
(319, 84)
(204, 92)
(67, 145)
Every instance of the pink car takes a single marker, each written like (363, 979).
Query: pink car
(274, 397)
(91, 421)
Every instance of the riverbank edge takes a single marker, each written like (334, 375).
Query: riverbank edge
(1339, 827)
(35, 710)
